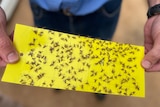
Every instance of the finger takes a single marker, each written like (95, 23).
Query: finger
(2, 63)
(7, 51)
(153, 56)
(156, 67)
(148, 42)
(11, 36)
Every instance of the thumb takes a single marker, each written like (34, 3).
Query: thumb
(7, 51)
(153, 55)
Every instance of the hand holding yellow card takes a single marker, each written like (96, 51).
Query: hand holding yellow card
(58, 60)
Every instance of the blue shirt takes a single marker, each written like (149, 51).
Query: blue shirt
(76, 7)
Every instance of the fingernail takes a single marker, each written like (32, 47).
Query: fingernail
(12, 57)
(146, 64)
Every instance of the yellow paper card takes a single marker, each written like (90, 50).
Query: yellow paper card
(59, 60)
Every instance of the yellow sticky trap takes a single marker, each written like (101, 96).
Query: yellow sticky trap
(59, 60)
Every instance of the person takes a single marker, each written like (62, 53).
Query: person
(94, 18)
(97, 21)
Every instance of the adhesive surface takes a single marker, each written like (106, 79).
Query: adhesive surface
(64, 61)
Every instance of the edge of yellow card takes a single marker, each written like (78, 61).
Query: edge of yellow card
(48, 59)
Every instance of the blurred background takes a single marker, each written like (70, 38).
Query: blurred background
(129, 30)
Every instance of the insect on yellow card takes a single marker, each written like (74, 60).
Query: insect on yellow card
(59, 60)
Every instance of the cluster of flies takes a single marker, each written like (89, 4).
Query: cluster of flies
(106, 55)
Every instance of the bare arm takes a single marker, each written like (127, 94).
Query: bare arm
(153, 2)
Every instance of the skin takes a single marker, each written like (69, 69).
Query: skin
(151, 60)
(8, 53)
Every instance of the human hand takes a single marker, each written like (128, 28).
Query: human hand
(151, 61)
(8, 53)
